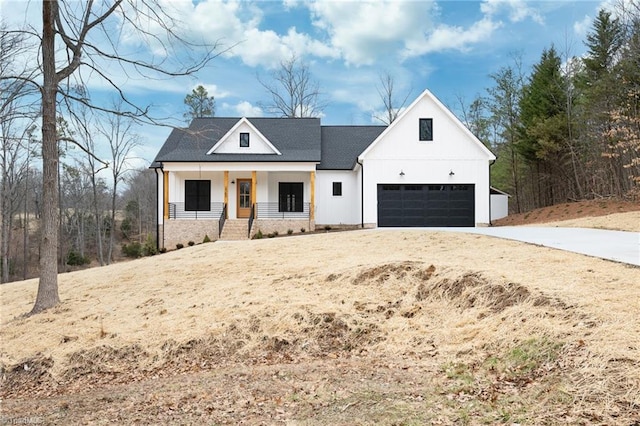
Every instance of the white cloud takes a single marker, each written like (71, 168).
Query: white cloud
(246, 109)
(458, 38)
(364, 31)
(518, 10)
(292, 4)
(234, 27)
(582, 27)
(212, 90)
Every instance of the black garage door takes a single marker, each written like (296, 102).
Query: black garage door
(426, 205)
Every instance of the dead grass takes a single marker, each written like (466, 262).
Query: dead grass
(361, 327)
(603, 213)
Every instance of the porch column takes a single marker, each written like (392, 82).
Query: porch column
(165, 187)
(254, 183)
(312, 209)
(226, 193)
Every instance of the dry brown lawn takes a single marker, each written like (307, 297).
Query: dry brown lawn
(359, 327)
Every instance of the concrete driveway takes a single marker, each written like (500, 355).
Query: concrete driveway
(618, 246)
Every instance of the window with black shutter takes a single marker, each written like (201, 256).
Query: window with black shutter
(197, 195)
(290, 197)
(337, 189)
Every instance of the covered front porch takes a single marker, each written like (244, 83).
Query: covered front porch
(203, 199)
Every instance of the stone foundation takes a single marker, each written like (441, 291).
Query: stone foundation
(183, 231)
(282, 226)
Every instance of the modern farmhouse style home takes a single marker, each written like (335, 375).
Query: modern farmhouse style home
(231, 178)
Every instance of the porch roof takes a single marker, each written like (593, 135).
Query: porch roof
(298, 139)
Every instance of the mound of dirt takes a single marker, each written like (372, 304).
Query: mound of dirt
(569, 211)
(415, 289)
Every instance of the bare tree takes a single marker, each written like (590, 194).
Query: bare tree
(392, 106)
(141, 193)
(504, 106)
(293, 91)
(84, 122)
(119, 132)
(16, 125)
(70, 43)
(474, 116)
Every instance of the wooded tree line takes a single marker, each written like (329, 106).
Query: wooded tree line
(95, 215)
(569, 130)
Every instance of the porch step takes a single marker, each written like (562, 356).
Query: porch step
(235, 230)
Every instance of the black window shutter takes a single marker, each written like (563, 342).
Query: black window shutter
(191, 195)
(204, 196)
(197, 195)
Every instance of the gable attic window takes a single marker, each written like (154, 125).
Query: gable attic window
(244, 140)
(426, 129)
(197, 195)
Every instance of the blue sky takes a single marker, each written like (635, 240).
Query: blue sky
(449, 47)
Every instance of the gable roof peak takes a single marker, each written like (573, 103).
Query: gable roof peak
(426, 93)
(253, 128)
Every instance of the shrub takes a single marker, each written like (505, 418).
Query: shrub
(258, 235)
(163, 250)
(132, 250)
(289, 231)
(327, 228)
(149, 248)
(206, 239)
(125, 227)
(76, 259)
(303, 230)
(275, 233)
(179, 246)
(191, 243)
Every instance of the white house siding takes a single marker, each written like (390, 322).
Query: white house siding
(453, 149)
(499, 206)
(160, 196)
(338, 210)
(257, 143)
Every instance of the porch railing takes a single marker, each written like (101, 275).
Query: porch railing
(223, 216)
(177, 211)
(251, 217)
(272, 211)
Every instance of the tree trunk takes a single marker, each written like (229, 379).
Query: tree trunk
(97, 215)
(112, 232)
(5, 211)
(47, 296)
(5, 237)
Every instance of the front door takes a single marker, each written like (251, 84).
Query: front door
(244, 198)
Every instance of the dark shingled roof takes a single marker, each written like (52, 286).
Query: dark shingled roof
(297, 139)
(341, 145)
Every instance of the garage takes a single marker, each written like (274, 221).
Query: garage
(417, 205)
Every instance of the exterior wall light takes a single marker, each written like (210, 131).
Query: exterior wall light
(451, 173)
(401, 173)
